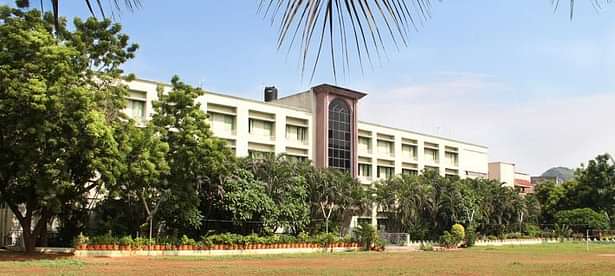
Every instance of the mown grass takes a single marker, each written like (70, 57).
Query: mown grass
(58, 263)
(544, 259)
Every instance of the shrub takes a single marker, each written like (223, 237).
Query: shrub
(582, 219)
(80, 240)
(447, 240)
(326, 239)
(454, 237)
(140, 242)
(303, 237)
(366, 234)
(533, 230)
(103, 240)
(187, 241)
(470, 239)
(426, 247)
(458, 232)
(126, 240)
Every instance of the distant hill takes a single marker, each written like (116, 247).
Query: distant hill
(560, 173)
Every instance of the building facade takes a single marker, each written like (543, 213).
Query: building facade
(507, 173)
(322, 125)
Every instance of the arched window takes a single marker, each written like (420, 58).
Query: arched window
(340, 138)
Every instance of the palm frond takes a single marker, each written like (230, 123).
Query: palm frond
(354, 30)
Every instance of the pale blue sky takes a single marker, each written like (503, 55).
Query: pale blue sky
(513, 75)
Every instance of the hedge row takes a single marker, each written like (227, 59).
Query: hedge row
(225, 240)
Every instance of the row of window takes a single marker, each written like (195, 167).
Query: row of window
(365, 170)
(408, 151)
(223, 123)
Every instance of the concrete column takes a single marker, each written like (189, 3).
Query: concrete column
(241, 143)
(420, 154)
(280, 133)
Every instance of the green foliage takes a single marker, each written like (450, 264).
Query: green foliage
(448, 240)
(140, 242)
(59, 104)
(245, 199)
(196, 159)
(80, 240)
(125, 240)
(426, 204)
(458, 231)
(470, 237)
(581, 219)
(366, 234)
(593, 188)
(532, 230)
(105, 239)
(454, 237)
(286, 188)
(187, 241)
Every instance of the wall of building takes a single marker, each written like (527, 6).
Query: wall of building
(243, 110)
(470, 157)
(502, 172)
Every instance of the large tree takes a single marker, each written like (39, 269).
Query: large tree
(198, 161)
(286, 187)
(58, 108)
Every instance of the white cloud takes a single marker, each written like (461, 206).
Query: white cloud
(536, 133)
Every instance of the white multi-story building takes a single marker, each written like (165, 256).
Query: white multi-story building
(321, 125)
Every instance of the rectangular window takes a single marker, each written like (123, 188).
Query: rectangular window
(385, 172)
(222, 123)
(365, 145)
(452, 158)
(260, 128)
(408, 151)
(259, 154)
(365, 170)
(409, 172)
(136, 110)
(296, 133)
(385, 147)
(296, 158)
(431, 155)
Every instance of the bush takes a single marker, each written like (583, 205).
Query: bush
(533, 230)
(470, 239)
(140, 242)
(366, 234)
(326, 239)
(582, 219)
(80, 240)
(458, 232)
(454, 237)
(187, 241)
(126, 240)
(448, 240)
(106, 239)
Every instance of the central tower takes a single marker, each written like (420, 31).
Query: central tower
(336, 127)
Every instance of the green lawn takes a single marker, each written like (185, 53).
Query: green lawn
(552, 259)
